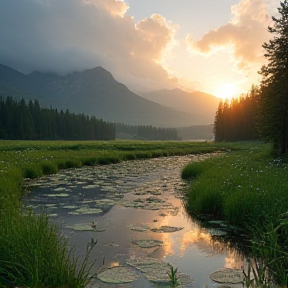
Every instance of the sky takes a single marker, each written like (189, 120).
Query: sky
(208, 45)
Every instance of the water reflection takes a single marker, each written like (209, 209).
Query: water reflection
(133, 200)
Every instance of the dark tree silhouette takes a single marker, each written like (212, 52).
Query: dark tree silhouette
(19, 121)
(273, 99)
(236, 120)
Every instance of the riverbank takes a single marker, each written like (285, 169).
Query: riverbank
(248, 188)
(24, 236)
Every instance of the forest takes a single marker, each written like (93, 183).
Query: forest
(22, 121)
(236, 120)
(146, 132)
(19, 121)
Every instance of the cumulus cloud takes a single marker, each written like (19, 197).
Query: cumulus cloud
(72, 35)
(242, 37)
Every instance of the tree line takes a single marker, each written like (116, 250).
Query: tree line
(147, 132)
(263, 113)
(236, 120)
(196, 132)
(29, 121)
(22, 121)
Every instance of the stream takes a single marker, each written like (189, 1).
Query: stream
(135, 211)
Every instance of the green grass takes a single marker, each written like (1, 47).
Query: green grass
(32, 252)
(174, 281)
(35, 255)
(241, 185)
(249, 189)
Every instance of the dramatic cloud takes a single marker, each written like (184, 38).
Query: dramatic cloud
(71, 35)
(243, 37)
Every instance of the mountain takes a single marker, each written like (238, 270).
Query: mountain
(93, 92)
(191, 102)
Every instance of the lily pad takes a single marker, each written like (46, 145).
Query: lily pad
(141, 228)
(228, 275)
(142, 261)
(90, 186)
(70, 206)
(61, 189)
(147, 243)
(86, 210)
(154, 200)
(157, 272)
(155, 193)
(166, 229)
(82, 227)
(184, 279)
(118, 275)
(105, 202)
(57, 195)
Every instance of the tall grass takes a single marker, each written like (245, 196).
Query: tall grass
(248, 188)
(34, 254)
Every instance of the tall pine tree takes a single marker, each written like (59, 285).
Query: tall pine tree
(273, 101)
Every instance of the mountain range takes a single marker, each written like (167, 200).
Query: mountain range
(95, 92)
(190, 102)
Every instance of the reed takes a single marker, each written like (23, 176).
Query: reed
(34, 254)
(174, 281)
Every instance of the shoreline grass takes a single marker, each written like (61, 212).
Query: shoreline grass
(249, 189)
(30, 243)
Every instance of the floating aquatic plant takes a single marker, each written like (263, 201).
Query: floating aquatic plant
(118, 275)
(228, 275)
(141, 228)
(86, 210)
(57, 195)
(147, 243)
(137, 262)
(166, 229)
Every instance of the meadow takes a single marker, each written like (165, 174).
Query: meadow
(32, 251)
(248, 189)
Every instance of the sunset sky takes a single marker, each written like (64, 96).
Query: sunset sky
(211, 46)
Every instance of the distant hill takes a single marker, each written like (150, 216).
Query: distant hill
(191, 102)
(93, 92)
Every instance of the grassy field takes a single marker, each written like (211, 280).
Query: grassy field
(249, 189)
(32, 251)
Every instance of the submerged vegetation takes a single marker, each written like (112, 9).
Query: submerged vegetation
(248, 188)
(28, 241)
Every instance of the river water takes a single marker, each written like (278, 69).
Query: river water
(134, 210)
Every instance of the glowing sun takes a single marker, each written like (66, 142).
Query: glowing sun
(227, 91)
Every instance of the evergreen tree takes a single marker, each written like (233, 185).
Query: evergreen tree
(236, 120)
(273, 100)
(27, 122)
